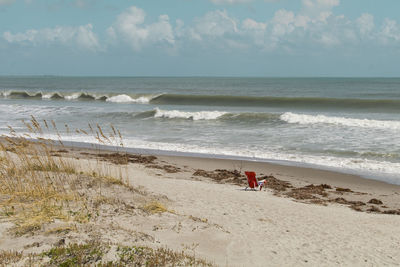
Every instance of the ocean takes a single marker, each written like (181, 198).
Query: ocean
(349, 125)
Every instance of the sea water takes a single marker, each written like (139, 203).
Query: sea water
(346, 124)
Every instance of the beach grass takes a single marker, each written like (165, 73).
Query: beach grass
(92, 253)
(39, 188)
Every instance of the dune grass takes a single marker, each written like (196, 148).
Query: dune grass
(9, 257)
(38, 187)
(93, 254)
(154, 207)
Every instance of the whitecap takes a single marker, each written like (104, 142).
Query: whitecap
(47, 96)
(126, 99)
(290, 117)
(73, 96)
(199, 115)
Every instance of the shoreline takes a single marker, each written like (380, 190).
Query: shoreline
(275, 164)
(271, 162)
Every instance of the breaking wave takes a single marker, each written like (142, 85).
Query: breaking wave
(200, 115)
(248, 117)
(203, 115)
(379, 105)
(127, 99)
(290, 117)
(118, 98)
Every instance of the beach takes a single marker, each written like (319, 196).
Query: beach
(151, 171)
(199, 133)
(203, 210)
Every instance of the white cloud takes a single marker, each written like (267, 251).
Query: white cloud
(20, 37)
(255, 30)
(390, 31)
(314, 8)
(217, 29)
(286, 27)
(82, 36)
(287, 21)
(214, 24)
(301, 21)
(86, 38)
(131, 28)
(366, 23)
(6, 2)
(283, 22)
(313, 27)
(285, 30)
(249, 24)
(328, 39)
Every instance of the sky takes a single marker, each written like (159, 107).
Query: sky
(261, 38)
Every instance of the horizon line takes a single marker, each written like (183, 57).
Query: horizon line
(183, 76)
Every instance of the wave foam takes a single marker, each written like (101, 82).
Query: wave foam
(72, 97)
(200, 115)
(341, 121)
(126, 99)
(47, 96)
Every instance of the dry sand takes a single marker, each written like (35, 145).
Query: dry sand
(217, 220)
(260, 229)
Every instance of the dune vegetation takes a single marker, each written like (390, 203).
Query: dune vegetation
(47, 194)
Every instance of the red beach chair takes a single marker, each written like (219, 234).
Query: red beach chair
(253, 183)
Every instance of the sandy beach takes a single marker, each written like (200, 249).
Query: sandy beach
(133, 133)
(198, 206)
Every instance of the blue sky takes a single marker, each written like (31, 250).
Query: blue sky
(200, 37)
